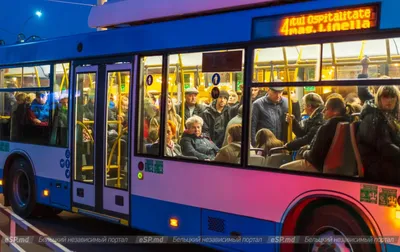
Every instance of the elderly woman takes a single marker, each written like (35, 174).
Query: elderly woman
(378, 136)
(231, 152)
(194, 143)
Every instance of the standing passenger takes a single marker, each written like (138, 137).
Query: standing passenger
(216, 118)
(192, 107)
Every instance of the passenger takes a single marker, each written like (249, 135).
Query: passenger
(192, 107)
(172, 149)
(313, 106)
(270, 112)
(233, 98)
(216, 118)
(255, 94)
(10, 102)
(231, 153)
(236, 120)
(314, 156)
(266, 140)
(196, 144)
(174, 117)
(353, 99)
(18, 118)
(379, 136)
(40, 109)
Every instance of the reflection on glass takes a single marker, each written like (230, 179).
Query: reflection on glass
(287, 64)
(116, 172)
(85, 95)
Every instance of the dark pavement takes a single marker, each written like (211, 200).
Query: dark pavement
(72, 224)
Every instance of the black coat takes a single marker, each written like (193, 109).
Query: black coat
(305, 133)
(215, 123)
(379, 145)
(322, 141)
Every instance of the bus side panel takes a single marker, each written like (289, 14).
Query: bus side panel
(154, 215)
(392, 248)
(59, 193)
(252, 231)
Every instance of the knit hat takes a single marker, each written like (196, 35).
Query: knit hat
(224, 93)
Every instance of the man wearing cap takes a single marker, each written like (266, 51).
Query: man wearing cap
(191, 105)
(216, 118)
(270, 112)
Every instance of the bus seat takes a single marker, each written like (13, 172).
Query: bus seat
(256, 160)
(353, 133)
(341, 159)
(277, 159)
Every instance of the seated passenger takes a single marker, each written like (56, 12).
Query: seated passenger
(314, 156)
(379, 136)
(194, 143)
(235, 120)
(313, 106)
(171, 149)
(266, 140)
(231, 152)
(40, 109)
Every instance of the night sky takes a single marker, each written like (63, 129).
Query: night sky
(58, 19)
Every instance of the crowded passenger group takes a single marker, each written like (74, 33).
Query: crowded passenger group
(213, 132)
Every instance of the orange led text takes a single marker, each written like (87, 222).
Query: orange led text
(331, 21)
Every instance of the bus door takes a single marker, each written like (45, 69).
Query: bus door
(101, 178)
(85, 141)
(115, 171)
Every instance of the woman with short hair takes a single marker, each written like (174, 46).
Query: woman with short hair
(194, 143)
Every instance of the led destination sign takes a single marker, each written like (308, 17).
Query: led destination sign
(361, 18)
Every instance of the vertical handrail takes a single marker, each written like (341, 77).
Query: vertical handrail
(37, 76)
(182, 92)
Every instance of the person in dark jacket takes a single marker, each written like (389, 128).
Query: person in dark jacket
(306, 130)
(314, 157)
(270, 112)
(191, 105)
(378, 136)
(195, 144)
(216, 118)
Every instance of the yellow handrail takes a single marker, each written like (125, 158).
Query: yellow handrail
(37, 76)
(110, 157)
(88, 131)
(183, 93)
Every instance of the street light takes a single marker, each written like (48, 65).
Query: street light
(21, 36)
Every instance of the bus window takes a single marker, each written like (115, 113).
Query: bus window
(149, 105)
(85, 121)
(367, 59)
(304, 134)
(11, 77)
(204, 106)
(287, 64)
(33, 117)
(59, 135)
(117, 129)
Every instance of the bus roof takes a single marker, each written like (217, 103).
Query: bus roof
(133, 11)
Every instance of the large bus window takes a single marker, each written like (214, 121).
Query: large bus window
(287, 64)
(33, 117)
(149, 105)
(361, 59)
(117, 129)
(328, 130)
(204, 113)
